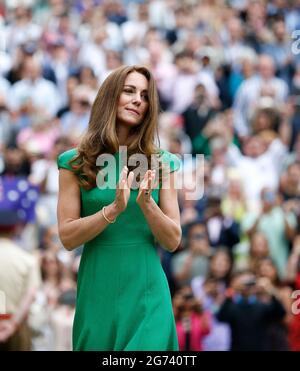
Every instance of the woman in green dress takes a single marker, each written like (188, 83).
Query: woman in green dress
(123, 298)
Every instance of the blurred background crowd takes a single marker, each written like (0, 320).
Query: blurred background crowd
(228, 75)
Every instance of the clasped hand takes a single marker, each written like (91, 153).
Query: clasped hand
(124, 185)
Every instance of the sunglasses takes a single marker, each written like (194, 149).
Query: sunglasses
(84, 103)
(198, 236)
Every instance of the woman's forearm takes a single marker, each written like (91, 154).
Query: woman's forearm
(166, 231)
(74, 233)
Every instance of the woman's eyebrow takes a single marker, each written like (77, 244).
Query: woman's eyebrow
(134, 87)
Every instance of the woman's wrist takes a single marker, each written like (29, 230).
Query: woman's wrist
(147, 205)
(112, 211)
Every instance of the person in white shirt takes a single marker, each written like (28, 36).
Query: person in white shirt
(19, 281)
(259, 168)
(34, 90)
(22, 28)
(248, 94)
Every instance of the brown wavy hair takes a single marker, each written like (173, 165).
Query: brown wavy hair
(101, 136)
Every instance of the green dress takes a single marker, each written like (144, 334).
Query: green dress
(123, 297)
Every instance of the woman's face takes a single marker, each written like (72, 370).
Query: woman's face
(220, 265)
(294, 174)
(259, 247)
(133, 103)
(263, 122)
(267, 269)
(50, 264)
(235, 187)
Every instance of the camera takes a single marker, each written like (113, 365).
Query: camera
(188, 296)
(250, 282)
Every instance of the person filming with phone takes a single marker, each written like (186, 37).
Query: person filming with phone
(249, 307)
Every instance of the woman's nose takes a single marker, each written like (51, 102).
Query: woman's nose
(137, 99)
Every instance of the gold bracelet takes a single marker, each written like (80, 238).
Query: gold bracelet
(106, 218)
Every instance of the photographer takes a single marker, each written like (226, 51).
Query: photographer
(193, 260)
(192, 323)
(249, 308)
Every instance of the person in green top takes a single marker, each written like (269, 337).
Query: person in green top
(123, 297)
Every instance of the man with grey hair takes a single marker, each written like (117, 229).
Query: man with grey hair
(250, 92)
(33, 90)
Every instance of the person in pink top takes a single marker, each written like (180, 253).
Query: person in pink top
(191, 323)
(40, 137)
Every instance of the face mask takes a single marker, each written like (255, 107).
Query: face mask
(269, 197)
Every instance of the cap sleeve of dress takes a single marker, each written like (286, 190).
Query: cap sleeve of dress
(170, 160)
(64, 158)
